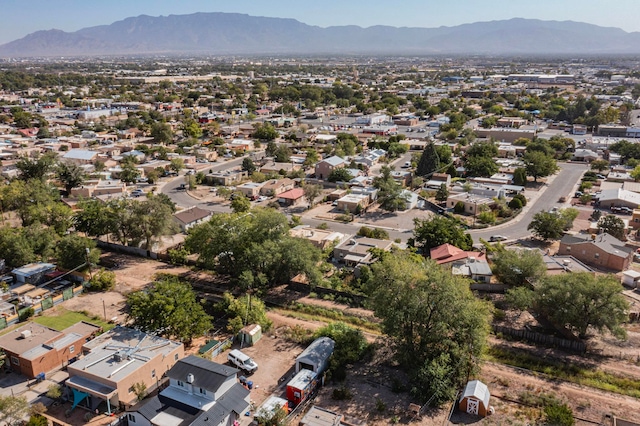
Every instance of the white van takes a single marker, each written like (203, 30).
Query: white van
(242, 361)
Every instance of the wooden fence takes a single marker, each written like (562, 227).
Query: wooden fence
(544, 339)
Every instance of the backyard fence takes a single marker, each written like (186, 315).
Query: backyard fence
(544, 339)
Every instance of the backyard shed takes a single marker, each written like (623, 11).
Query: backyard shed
(316, 356)
(475, 399)
(250, 334)
(630, 278)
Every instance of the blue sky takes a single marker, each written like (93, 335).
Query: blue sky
(21, 17)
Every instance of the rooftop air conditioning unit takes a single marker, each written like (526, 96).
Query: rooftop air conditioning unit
(190, 378)
(25, 334)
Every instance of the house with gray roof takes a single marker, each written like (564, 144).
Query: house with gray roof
(602, 250)
(80, 156)
(324, 168)
(200, 392)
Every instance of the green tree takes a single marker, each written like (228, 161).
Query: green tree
(129, 173)
(429, 161)
(391, 196)
(240, 204)
(140, 390)
(94, 218)
(13, 409)
(244, 310)
(248, 166)
(258, 243)
(70, 175)
(265, 132)
(103, 280)
(518, 267)
(520, 176)
(176, 164)
(378, 233)
(436, 326)
(442, 194)
(438, 230)
(340, 174)
(613, 226)
(311, 192)
(538, 164)
(582, 301)
(162, 133)
(350, 347)
(36, 168)
(480, 166)
(71, 252)
(551, 226)
(169, 307)
(599, 165)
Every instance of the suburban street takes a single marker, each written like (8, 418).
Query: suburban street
(563, 185)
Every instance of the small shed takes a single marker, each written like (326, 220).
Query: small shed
(630, 278)
(475, 399)
(270, 407)
(316, 356)
(250, 334)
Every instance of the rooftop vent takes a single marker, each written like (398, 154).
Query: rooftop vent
(190, 378)
(25, 334)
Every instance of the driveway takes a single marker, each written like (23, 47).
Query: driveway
(562, 185)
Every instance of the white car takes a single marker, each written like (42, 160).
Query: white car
(262, 198)
(495, 238)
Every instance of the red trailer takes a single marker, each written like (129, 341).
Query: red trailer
(301, 386)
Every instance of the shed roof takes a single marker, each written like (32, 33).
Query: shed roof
(478, 390)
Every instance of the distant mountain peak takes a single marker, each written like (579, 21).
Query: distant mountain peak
(218, 33)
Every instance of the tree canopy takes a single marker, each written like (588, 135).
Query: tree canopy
(169, 307)
(518, 267)
(580, 301)
(552, 225)
(436, 326)
(390, 194)
(255, 246)
(438, 230)
(539, 164)
(612, 225)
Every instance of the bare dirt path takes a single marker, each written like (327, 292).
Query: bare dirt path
(587, 403)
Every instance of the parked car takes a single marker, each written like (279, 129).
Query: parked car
(625, 210)
(182, 187)
(262, 198)
(495, 238)
(601, 176)
(137, 193)
(578, 194)
(242, 361)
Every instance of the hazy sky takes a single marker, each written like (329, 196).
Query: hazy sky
(21, 17)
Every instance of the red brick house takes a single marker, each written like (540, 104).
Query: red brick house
(34, 349)
(602, 250)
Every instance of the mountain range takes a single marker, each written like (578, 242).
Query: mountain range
(240, 34)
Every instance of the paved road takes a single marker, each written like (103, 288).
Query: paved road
(181, 198)
(563, 185)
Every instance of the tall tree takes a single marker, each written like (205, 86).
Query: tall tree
(518, 267)
(437, 327)
(429, 161)
(551, 226)
(70, 175)
(162, 133)
(13, 409)
(35, 168)
(580, 301)
(539, 164)
(169, 307)
(390, 194)
(71, 251)
(311, 192)
(443, 193)
(248, 166)
(438, 230)
(613, 226)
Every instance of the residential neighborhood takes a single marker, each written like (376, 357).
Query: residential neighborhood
(320, 241)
